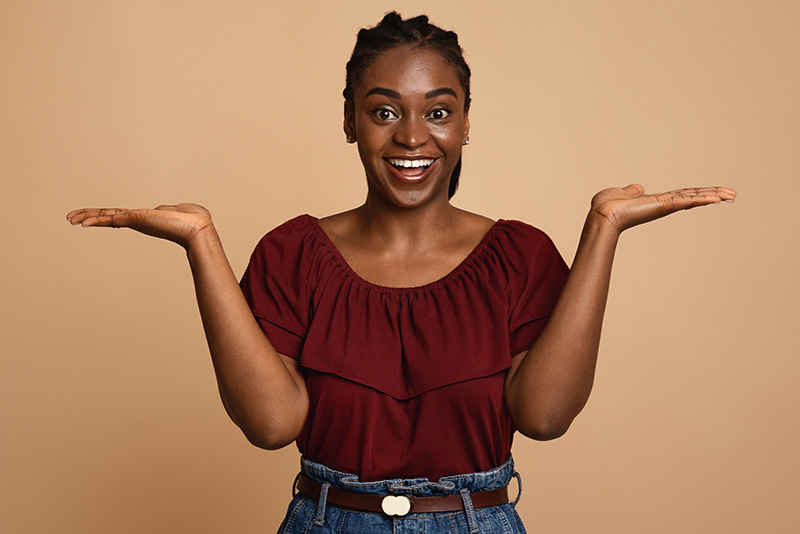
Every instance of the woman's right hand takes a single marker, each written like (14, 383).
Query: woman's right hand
(263, 391)
(179, 223)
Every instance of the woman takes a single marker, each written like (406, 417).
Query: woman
(403, 342)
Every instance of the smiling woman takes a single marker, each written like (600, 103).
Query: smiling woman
(409, 128)
(401, 344)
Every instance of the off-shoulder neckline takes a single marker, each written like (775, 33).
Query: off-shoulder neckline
(338, 258)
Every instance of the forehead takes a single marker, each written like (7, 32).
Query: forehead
(410, 71)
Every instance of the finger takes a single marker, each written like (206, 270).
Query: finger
(688, 198)
(636, 189)
(77, 216)
(718, 191)
(74, 213)
(81, 215)
(105, 217)
(684, 199)
(726, 194)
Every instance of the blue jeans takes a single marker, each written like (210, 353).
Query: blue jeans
(309, 516)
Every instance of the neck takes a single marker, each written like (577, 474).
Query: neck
(406, 227)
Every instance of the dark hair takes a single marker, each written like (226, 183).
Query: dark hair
(416, 32)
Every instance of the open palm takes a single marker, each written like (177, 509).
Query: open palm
(625, 207)
(178, 223)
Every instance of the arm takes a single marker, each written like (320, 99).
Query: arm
(263, 391)
(547, 386)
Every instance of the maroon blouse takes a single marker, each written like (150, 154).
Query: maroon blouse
(404, 382)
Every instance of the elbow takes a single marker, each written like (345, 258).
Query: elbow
(544, 433)
(271, 437)
(273, 433)
(544, 428)
(543, 418)
(270, 430)
(268, 442)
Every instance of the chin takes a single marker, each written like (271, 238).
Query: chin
(414, 199)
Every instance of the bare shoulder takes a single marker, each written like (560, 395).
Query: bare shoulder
(339, 225)
(476, 219)
(473, 225)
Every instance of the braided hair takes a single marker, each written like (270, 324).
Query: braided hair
(417, 32)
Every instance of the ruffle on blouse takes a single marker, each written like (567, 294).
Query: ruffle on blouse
(403, 341)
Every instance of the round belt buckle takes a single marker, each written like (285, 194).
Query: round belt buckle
(396, 505)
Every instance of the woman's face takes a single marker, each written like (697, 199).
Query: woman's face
(409, 121)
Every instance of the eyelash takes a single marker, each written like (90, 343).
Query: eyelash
(378, 114)
(446, 112)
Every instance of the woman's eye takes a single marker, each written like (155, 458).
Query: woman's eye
(385, 114)
(439, 114)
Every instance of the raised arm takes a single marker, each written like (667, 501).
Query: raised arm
(547, 386)
(263, 391)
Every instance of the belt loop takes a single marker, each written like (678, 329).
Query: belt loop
(323, 499)
(519, 483)
(294, 485)
(469, 510)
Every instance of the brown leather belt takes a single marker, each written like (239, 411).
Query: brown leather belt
(400, 505)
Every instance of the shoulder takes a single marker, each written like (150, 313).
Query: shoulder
(514, 230)
(507, 231)
(470, 218)
(289, 244)
(293, 230)
(513, 234)
(525, 248)
(298, 225)
(290, 258)
(340, 226)
(474, 223)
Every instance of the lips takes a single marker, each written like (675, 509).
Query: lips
(411, 170)
(409, 163)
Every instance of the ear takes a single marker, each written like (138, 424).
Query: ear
(466, 125)
(349, 122)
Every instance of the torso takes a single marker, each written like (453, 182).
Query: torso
(394, 372)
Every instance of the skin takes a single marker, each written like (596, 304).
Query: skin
(263, 391)
(406, 234)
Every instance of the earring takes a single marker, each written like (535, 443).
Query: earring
(350, 139)
(466, 141)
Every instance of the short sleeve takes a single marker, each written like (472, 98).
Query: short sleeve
(536, 276)
(275, 285)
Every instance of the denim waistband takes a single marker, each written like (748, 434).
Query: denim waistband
(499, 477)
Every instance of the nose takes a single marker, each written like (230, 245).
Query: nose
(411, 132)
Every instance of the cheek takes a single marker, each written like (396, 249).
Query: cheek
(372, 135)
(450, 135)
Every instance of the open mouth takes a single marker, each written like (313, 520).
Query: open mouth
(411, 168)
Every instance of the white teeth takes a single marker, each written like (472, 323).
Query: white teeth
(410, 163)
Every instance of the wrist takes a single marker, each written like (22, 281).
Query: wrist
(599, 225)
(204, 241)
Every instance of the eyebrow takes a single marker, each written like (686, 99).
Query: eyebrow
(394, 94)
(385, 92)
(440, 92)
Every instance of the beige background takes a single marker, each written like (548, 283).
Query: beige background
(110, 416)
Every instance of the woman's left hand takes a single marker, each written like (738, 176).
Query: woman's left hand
(628, 206)
(547, 386)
